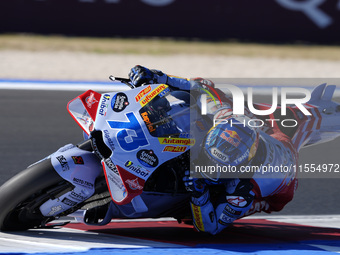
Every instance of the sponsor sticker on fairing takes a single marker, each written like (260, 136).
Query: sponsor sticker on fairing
(55, 210)
(78, 160)
(138, 170)
(90, 100)
(147, 158)
(83, 183)
(134, 184)
(108, 162)
(104, 104)
(69, 202)
(63, 163)
(117, 183)
(78, 196)
(174, 148)
(152, 94)
(109, 140)
(119, 102)
(147, 121)
(177, 141)
(142, 93)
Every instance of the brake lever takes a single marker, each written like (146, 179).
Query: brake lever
(126, 81)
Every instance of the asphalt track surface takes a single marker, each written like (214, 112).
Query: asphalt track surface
(36, 123)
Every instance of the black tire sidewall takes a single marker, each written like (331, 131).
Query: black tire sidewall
(21, 187)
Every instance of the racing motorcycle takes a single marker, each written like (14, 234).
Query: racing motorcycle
(133, 159)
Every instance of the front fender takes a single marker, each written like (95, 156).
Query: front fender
(78, 167)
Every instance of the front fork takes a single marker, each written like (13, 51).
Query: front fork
(79, 166)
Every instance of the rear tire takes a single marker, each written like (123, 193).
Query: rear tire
(22, 195)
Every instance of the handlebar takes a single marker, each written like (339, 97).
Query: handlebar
(126, 81)
(122, 80)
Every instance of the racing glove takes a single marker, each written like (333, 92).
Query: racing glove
(197, 187)
(140, 75)
(198, 83)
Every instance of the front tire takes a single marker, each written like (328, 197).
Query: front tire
(22, 195)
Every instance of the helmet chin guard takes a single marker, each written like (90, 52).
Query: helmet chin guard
(231, 143)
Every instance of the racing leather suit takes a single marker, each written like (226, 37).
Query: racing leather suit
(270, 184)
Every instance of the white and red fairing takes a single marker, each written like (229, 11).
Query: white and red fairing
(83, 109)
(126, 134)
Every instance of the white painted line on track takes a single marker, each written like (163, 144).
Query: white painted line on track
(62, 85)
(37, 245)
(327, 247)
(100, 86)
(69, 240)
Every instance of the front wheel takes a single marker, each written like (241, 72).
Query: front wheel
(22, 195)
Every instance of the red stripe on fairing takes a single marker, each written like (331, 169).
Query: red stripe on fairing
(123, 201)
(310, 128)
(299, 135)
(107, 181)
(307, 129)
(316, 110)
(305, 133)
(319, 118)
(311, 122)
(314, 124)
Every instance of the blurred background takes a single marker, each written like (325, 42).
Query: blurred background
(279, 20)
(88, 40)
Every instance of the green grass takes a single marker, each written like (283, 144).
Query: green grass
(156, 46)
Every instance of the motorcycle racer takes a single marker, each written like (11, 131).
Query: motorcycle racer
(184, 150)
(231, 143)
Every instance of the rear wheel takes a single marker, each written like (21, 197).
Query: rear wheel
(22, 195)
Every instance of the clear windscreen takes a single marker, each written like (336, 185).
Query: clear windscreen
(168, 115)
